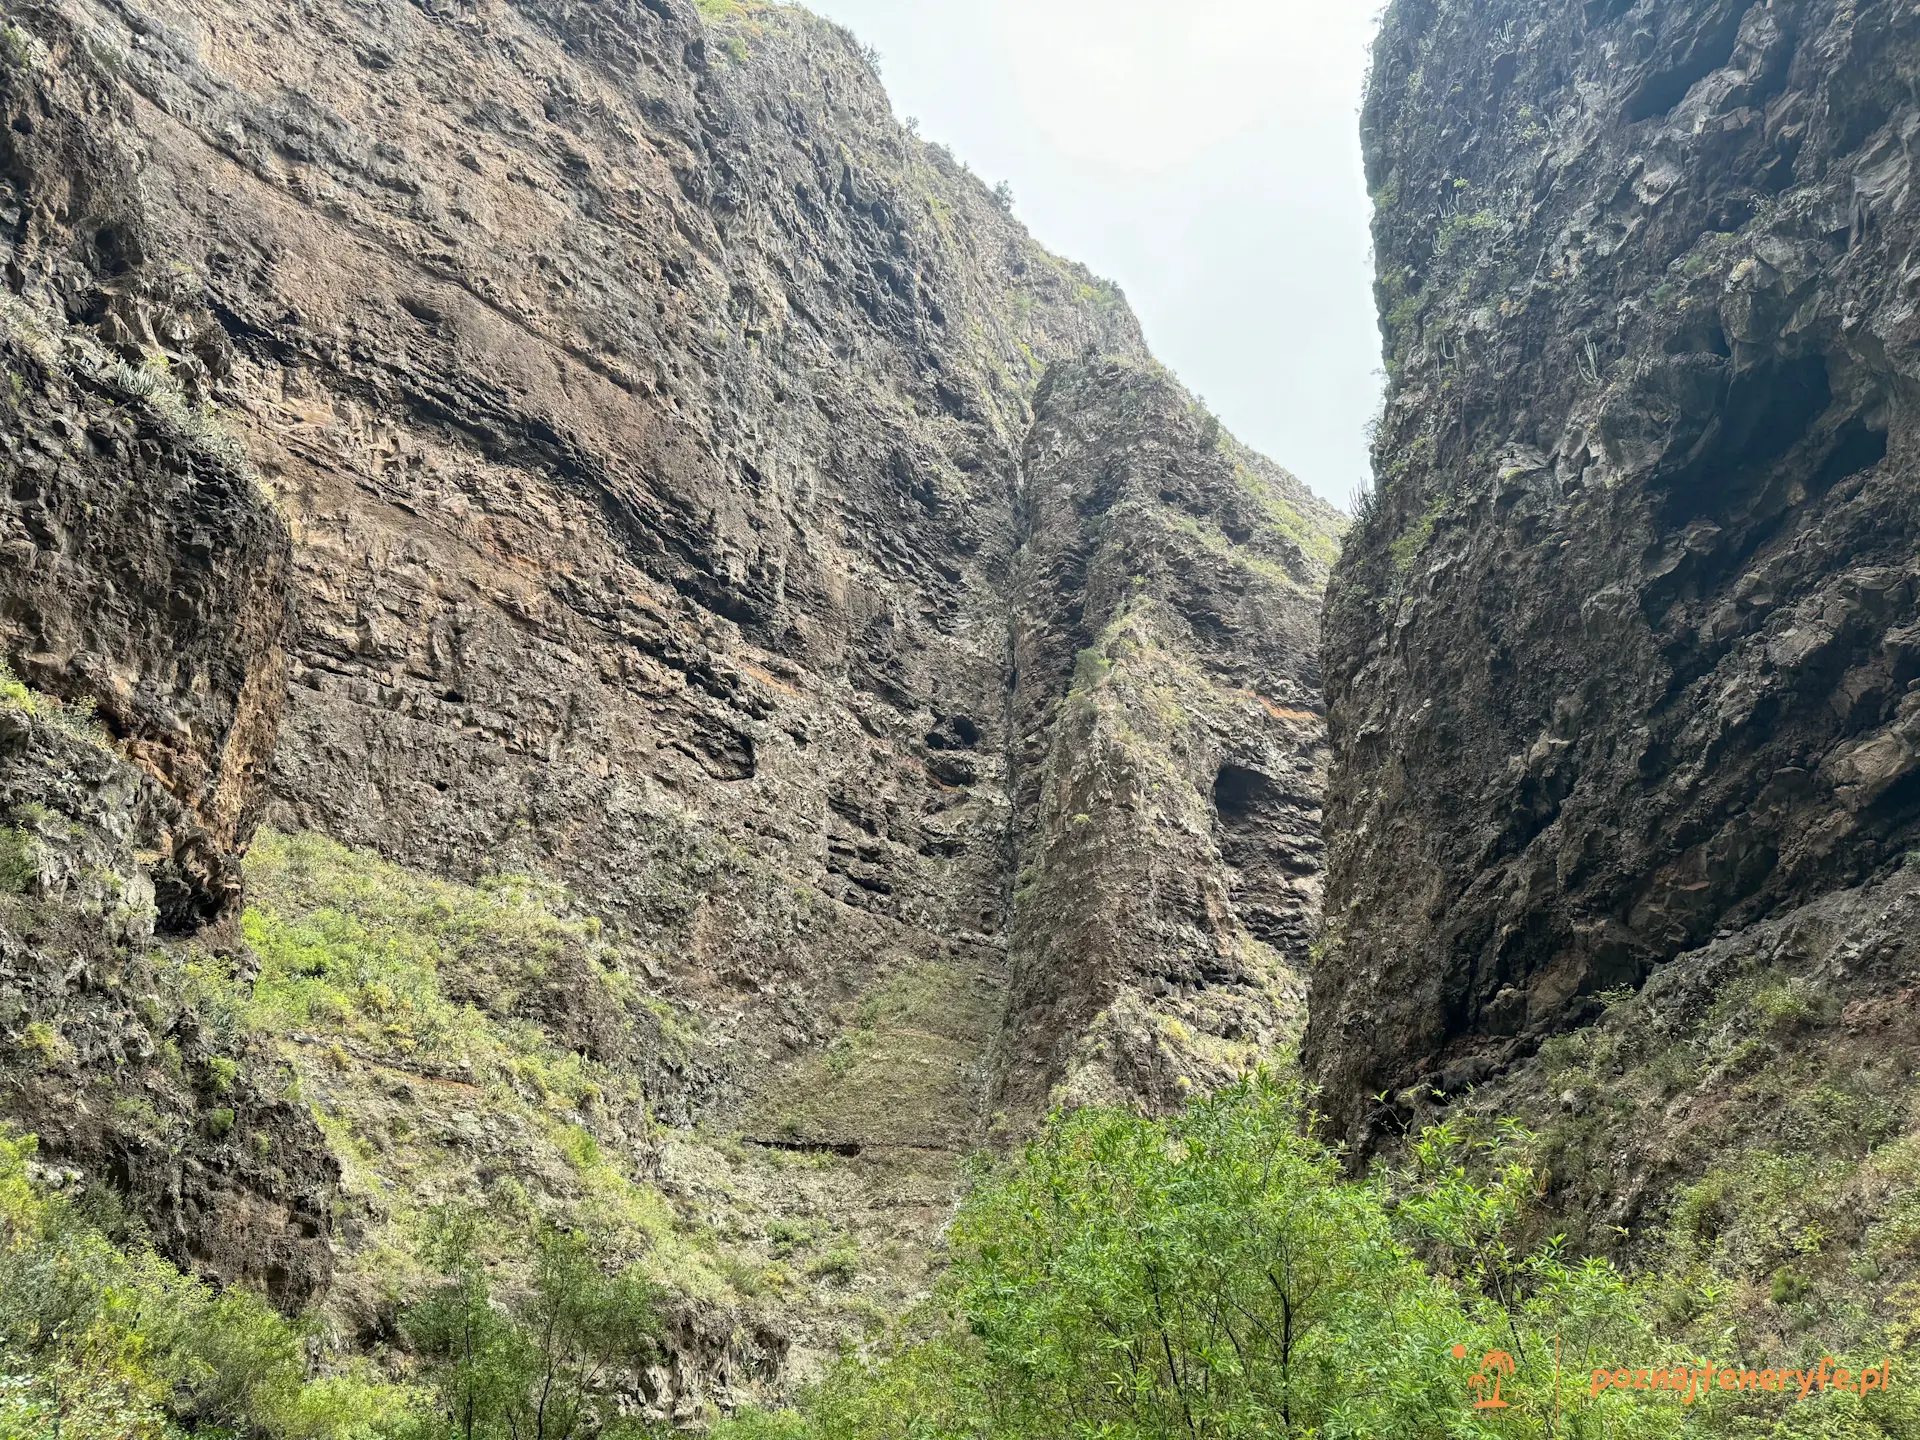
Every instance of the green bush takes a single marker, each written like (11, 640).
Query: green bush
(102, 1341)
(1217, 1275)
(540, 1369)
(13, 694)
(18, 867)
(74, 717)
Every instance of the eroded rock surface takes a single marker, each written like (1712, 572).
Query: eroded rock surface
(1623, 660)
(143, 614)
(678, 513)
(1170, 759)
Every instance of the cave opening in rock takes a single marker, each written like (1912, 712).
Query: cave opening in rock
(1239, 792)
(1270, 840)
(1767, 410)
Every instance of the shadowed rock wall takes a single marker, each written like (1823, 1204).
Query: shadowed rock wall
(1622, 659)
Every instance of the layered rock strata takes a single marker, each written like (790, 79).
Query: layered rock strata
(671, 508)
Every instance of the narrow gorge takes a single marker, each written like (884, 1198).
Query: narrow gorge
(594, 635)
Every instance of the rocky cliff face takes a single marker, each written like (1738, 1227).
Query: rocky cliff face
(1621, 661)
(671, 508)
(143, 615)
(1170, 763)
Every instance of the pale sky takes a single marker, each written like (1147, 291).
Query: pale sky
(1203, 155)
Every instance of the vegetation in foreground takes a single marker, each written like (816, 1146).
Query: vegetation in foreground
(102, 1339)
(1213, 1275)
(1217, 1275)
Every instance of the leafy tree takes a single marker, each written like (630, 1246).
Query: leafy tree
(1218, 1275)
(541, 1370)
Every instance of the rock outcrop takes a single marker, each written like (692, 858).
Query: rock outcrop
(678, 513)
(143, 615)
(1623, 657)
(1169, 763)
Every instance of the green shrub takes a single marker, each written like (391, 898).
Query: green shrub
(104, 1342)
(538, 1370)
(13, 694)
(222, 1072)
(1090, 667)
(75, 717)
(841, 1263)
(43, 1040)
(1217, 1275)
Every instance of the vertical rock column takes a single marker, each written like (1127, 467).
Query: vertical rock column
(1168, 747)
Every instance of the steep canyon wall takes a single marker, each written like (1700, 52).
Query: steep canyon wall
(1624, 658)
(597, 443)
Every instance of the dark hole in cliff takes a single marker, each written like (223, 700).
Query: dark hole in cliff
(1238, 793)
(1661, 91)
(119, 249)
(1105, 492)
(950, 768)
(1731, 214)
(723, 752)
(1861, 114)
(1897, 806)
(1767, 411)
(425, 311)
(954, 732)
(1703, 339)
(185, 899)
(1856, 447)
(1269, 838)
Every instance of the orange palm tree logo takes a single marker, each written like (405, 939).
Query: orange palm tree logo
(1494, 1365)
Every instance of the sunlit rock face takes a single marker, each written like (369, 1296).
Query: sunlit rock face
(596, 441)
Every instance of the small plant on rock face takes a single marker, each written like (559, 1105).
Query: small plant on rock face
(785, 1236)
(43, 1040)
(18, 868)
(13, 694)
(840, 1056)
(840, 1264)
